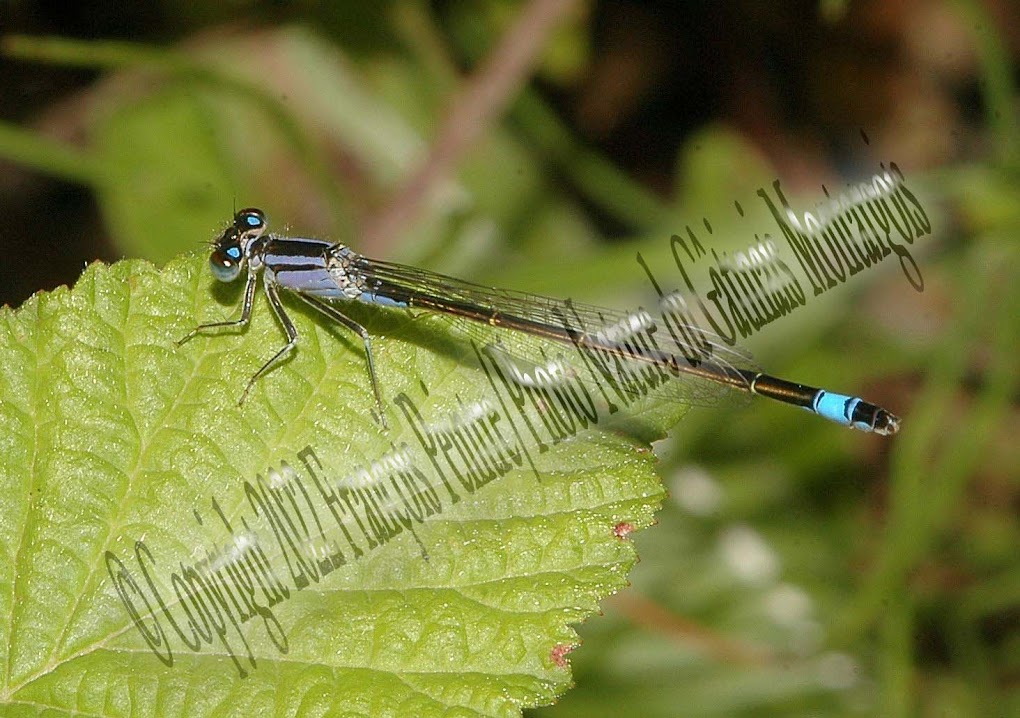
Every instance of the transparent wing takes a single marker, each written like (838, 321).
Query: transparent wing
(546, 341)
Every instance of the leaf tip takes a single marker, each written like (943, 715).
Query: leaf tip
(558, 655)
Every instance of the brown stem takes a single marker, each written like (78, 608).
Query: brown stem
(479, 102)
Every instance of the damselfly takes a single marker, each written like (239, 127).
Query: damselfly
(698, 365)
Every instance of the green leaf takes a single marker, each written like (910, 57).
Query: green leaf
(125, 458)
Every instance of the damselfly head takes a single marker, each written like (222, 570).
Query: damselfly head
(227, 256)
(250, 222)
(230, 250)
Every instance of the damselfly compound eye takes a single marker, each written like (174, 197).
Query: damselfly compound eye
(250, 220)
(225, 262)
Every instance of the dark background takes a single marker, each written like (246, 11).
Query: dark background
(893, 562)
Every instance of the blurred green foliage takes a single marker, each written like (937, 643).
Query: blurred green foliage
(798, 570)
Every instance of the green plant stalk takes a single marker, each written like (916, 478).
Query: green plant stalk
(924, 463)
(123, 55)
(47, 156)
(996, 84)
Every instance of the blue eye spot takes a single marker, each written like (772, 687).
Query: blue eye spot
(253, 221)
(234, 252)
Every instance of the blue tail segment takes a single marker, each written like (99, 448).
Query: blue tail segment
(835, 407)
(842, 409)
(854, 412)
